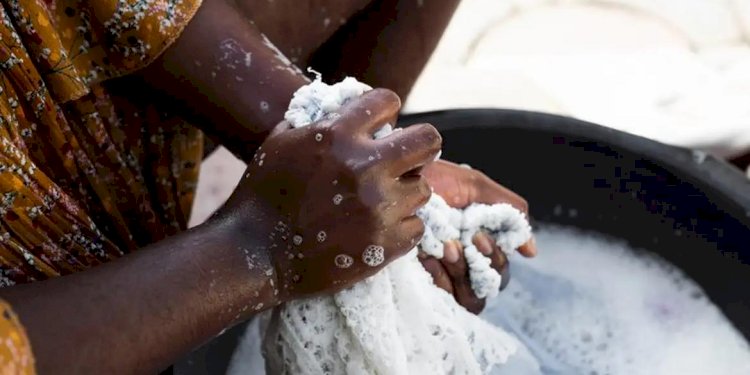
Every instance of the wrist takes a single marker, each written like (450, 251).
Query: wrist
(248, 273)
(248, 230)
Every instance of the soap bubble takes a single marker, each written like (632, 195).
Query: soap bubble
(343, 261)
(297, 239)
(373, 255)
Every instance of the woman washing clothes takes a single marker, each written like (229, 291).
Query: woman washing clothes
(103, 106)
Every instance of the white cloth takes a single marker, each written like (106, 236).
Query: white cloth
(397, 321)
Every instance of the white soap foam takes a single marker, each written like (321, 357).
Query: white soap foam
(588, 304)
(592, 305)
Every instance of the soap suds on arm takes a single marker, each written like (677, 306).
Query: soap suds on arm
(396, 321)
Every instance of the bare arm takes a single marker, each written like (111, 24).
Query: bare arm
(228, 77)
(388, 44)
(138, 313)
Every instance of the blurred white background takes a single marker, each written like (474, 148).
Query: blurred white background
(677, 71)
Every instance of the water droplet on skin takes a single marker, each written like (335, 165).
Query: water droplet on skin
(337, 199)
(335, 182)
(373, 255)
(343, 261)
(264, 106)
(321, 236)
(318, 137)
(297, 240)
(370, 158)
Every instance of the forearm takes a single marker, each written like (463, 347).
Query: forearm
(227, 76)
(387, 45)
(140, 313)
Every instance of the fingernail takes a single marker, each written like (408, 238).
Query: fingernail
(450, 253)
(484, 243)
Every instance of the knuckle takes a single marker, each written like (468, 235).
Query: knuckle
(387, 96)
(457, 272)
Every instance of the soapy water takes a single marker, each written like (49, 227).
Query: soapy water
(591, 305)
(588, 304)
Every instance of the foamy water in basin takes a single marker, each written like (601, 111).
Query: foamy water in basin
(592, 305)
(588, 304)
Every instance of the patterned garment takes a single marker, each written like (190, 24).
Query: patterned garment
(87, 175)
(15, 351)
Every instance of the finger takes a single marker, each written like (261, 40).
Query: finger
(484, 243)
(412, 193)
(528, 249)
(411, 230)
(410, 149)
(368, 113)
(437, 271)
(458, 272)
(451, 251)
(498, 259)
(501, 264)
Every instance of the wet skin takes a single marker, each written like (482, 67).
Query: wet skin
(140, 313)
(298, 172)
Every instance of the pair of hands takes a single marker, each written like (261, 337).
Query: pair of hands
(338, 205)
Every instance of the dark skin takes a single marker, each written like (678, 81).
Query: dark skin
(402, 48)
(380, 197)
(140, 313)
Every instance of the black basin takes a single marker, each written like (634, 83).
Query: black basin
(691, 209)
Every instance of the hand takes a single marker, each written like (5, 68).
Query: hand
(335, 204)
(460, 187)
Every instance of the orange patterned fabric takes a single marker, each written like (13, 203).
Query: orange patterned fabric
(15, 351)
(87, 175)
